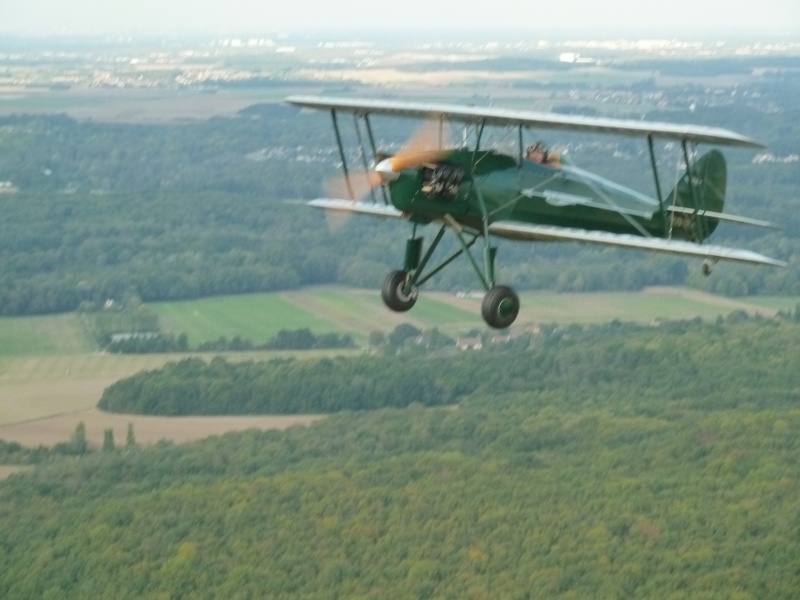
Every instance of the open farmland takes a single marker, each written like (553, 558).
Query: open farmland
(358, 312)
(42, 400)
(47, 335)
(134, 106)
(255, 316)
(50, 380)
(329, 309)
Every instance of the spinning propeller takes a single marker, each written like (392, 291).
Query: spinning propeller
(425, 146)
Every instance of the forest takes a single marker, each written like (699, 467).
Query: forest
(621, 462)
(150, 212)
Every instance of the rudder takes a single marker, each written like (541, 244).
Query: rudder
(705, 191)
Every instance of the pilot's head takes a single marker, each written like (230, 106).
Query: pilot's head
(537, 152)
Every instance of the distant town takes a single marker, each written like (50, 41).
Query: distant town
(171, 79)
(178, 63)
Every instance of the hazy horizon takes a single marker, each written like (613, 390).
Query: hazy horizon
(575, 17)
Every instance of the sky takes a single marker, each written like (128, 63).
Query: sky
(45, 17)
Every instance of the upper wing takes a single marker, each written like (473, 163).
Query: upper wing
(500, 116)
(521, 231)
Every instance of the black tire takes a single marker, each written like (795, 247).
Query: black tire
(392, 292)
(500, 307)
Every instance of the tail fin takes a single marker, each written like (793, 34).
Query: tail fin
(704, 192)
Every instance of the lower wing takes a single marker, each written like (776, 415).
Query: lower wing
(546, 233)
(372, 209)
(521, 231)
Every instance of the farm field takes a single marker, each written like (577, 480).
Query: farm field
(45, 335)
(43, 398)
(134, 106)
(51, 379)
(359, 312)
(784, 303)
(260, 317)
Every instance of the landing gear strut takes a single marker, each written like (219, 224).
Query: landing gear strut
(500, 305)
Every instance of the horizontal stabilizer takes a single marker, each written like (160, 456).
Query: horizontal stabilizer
(385, 211)
(728, 218)
(521, 231)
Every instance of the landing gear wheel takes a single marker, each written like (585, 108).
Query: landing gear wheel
(500, 307)
(393, 295)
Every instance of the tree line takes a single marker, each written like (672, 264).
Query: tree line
(285, 339)
(14, 453)
(702, 362)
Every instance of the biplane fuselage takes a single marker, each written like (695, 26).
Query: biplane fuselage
(481, 193)
(544, 194)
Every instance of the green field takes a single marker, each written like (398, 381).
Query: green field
(255, 316)
(664, 304)
(47, 335)
(329, 309)
(784, 303)
(260, 317)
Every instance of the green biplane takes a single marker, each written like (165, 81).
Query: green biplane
(479, 193)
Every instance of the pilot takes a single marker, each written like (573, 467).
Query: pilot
(537, 153)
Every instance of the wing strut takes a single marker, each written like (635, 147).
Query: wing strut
(700, 230)
(478, 136)
(341, 154)
(659, 195)
(487, 277)
(364, 161)
(374, 153)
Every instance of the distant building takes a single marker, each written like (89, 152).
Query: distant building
(574, 57)
(472, 294)
(138, 335)
(469, 343)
